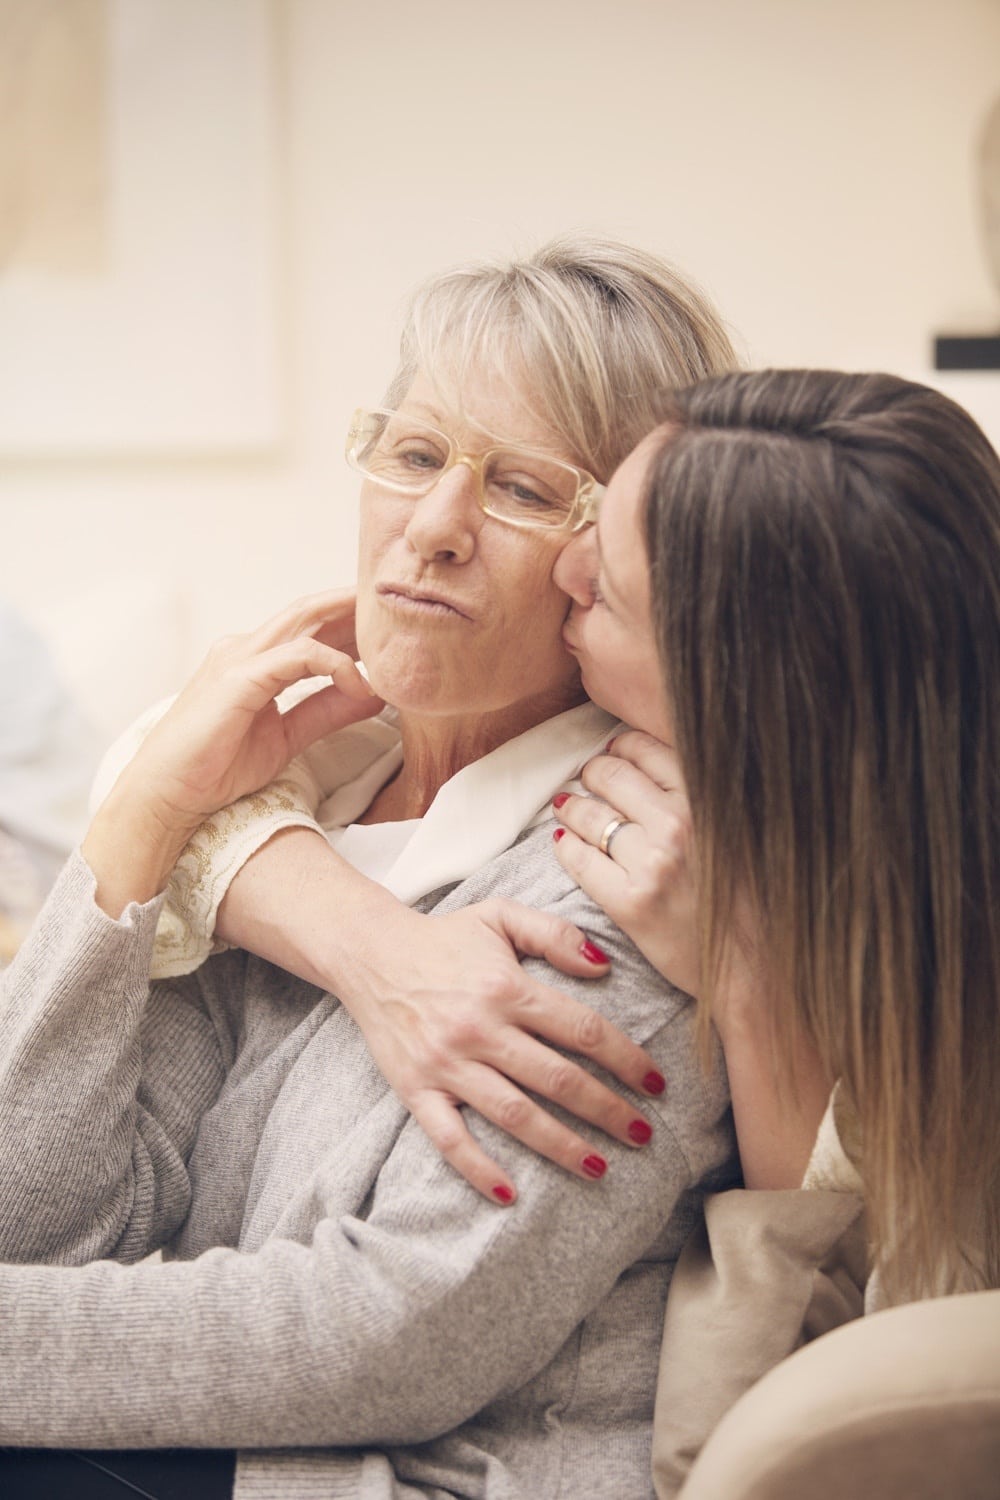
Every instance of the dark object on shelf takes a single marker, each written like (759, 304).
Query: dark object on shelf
(967, 352)
(980, 351)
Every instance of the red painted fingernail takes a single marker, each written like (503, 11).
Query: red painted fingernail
(592, 953)
(594, 1166)
(560, 800)
(502, 1193)
(640, 1132)
(558, 835)
(654, 1083)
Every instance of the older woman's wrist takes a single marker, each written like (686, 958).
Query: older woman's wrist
(361, 959)
(131, 847)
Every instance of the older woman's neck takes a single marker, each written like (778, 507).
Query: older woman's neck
(436, 748)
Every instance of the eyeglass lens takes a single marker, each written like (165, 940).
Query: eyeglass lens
(406, 454)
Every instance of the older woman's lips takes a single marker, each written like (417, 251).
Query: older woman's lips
(421, 602)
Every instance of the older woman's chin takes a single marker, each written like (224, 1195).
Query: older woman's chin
(411, 683)
(420, 684)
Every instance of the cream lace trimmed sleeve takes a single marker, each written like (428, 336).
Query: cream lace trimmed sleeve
(185, 934)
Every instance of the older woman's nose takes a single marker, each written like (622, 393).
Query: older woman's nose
(576, 567)
(446, 521)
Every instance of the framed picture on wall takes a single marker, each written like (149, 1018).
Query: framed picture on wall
(139, 285)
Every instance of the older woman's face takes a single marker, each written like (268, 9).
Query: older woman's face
(458, 612)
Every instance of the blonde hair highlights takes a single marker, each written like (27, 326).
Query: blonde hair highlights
(596, 333)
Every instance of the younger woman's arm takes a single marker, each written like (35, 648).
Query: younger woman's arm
(644, 881)
(449, 1014)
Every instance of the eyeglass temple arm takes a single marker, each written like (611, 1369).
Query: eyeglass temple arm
(590, 505)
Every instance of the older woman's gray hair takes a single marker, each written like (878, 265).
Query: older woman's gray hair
(600, 332)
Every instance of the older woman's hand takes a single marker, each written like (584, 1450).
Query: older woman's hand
(643, 876)
(222, 737)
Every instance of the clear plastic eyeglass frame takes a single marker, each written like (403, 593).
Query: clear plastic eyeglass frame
(366, 426)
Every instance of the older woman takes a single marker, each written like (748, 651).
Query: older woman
(335, 1301)
(600, 333)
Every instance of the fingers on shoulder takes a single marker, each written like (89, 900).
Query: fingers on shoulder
(649, 755)
(627, 789)
(591, 1034)
(599, 877)
(542, 934)
(633, 895)
(442, 1123)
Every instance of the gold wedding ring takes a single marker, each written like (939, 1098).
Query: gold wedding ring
(604, 843)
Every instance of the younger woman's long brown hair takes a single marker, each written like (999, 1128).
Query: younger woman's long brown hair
(825, 556)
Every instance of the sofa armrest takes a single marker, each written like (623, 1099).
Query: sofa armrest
(904, 1402)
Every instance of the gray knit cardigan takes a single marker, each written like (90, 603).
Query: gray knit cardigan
(334, 1301)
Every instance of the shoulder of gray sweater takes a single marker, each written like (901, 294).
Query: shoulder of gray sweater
(634, 995)
(637, 996)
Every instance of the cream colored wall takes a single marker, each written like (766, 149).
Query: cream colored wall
(810, 161)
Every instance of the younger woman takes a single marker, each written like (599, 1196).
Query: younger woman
(796, 583)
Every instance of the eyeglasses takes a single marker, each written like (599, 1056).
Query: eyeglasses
(516, 486)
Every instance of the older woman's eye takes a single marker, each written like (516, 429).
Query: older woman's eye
(523, 494)
(520, 493)
(419, 456)
(403, 457)
(519, 500)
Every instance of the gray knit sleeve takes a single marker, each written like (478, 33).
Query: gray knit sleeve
(391, 1321)
(98, 1107)
(389, 1328)
(386, 1302)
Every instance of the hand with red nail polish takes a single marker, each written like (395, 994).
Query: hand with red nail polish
(470, 1024)
(592, 953)
(594, 1165)
(643, 875)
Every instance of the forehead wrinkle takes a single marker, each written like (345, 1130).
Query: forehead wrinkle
(457, 425)
(455, 369)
